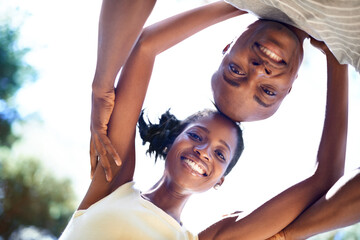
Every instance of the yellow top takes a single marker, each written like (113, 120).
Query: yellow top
(124, 214)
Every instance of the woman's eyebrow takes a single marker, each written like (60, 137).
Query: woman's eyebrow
(222, 141)
(225, 144)
(203, 128)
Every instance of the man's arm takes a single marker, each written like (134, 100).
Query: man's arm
(156, 39)
(278, 212)
(120, 24)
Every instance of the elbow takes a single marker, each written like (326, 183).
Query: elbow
(145, 43)
(326, 177)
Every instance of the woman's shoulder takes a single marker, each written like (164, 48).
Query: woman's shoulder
(124, 190)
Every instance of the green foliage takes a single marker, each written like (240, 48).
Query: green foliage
(347, 233)
(14, 72)
(31, 196)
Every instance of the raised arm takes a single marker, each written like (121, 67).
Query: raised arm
(113, 49)
(120, 24)
(338, 208)
(132, 86)
(167, 33)
(278, 212)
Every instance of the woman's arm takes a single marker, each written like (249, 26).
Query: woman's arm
(338, 208)
(132, 86)
(278, 212)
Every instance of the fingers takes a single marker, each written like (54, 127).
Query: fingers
(110, 149)
(234, 214)
(101, 154)
(278, 236)
(319, 44)
(93, 157)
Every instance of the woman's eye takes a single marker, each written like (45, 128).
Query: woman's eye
(194, 136)
(234, 69)
(220, 155)
(268, 92)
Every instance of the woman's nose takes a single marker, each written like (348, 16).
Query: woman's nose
(202, 152)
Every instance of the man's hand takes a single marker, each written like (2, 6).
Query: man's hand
(100, 145)
(320, 45)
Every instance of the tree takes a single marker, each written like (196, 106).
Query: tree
(14, 72)
(30, 196)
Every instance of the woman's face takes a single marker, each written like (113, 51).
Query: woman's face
(258, 72)
(200, 155)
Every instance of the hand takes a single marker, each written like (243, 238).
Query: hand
(100, 145)
(320, 45)
(279, 236)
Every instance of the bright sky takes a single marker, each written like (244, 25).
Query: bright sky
(279, 151)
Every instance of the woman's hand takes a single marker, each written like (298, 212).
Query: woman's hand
(279, 236)
(100, 145)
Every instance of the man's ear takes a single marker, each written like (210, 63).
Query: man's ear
(226, 48)
(296, 76)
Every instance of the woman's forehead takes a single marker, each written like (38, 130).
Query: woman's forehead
(216, 124)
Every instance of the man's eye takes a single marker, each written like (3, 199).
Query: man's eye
(235, 69)
(220, 155)
(268, 92)
(194, 136)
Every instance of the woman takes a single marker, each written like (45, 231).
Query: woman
(198, 156)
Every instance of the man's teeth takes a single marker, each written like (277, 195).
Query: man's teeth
(270, 54)
(194, 166)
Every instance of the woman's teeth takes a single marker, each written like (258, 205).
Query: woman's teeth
(194, 166)
(270, 54)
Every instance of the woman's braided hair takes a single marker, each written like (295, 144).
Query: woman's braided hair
(161, 136)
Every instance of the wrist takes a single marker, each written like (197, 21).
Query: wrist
(100, 87)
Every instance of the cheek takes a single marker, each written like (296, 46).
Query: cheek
(216, 82)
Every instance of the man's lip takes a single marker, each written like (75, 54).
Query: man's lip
(273, 48)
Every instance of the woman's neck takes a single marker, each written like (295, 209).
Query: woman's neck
(165, 195)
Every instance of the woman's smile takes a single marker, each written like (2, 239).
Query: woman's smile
(196, 167)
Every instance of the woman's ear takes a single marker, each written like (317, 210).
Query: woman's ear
(219, 183)
(289, 90)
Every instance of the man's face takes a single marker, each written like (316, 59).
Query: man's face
(258, 72)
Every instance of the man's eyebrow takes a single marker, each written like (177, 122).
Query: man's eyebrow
(259, 101)
(222, 141)
(233, 82)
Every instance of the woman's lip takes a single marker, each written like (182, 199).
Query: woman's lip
(197, 162)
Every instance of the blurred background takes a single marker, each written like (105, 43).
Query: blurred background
(47, 61)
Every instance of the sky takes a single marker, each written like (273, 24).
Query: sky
(279, 151)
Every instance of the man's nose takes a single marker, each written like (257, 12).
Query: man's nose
(259, 66)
